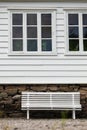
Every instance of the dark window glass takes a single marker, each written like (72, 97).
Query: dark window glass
(31, 19)
(84, 19)
(46, 32)
(32, 32)
(73, 32)
(85, 32)
(85, 45)
(31, 45)
(17, 45)
(17, 19)
(17, 32)
(73, 19)
(46, 45)
(73, 45)
(46, 19)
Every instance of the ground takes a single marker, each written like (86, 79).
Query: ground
(43, 124)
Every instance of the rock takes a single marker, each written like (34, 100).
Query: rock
(21, 88)
(73, 88)
(39, 88)
(84, 88)
(2, 114)
(14, 114)
(9, 101)
(1, 89)
(3, 95)
(52, 87)
(63, 88)
(11, 90)
(83, 91)
(16, 97)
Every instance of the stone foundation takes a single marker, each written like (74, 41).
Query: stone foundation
(10, 100)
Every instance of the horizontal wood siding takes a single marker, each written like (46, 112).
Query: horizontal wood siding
(40, 69)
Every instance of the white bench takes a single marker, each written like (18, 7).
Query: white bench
(50, 101)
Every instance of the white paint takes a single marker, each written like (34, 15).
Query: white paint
(41, 69)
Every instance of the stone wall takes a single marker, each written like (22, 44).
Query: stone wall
(10, 99)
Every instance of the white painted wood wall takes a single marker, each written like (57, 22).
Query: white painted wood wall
(40, 69)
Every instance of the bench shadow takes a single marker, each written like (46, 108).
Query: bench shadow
(48, 114)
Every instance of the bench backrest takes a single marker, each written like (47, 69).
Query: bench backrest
(49, 99)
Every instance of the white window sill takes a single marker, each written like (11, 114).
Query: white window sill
(33, 54)
(76, 54)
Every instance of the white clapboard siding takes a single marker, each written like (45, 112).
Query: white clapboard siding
(42, 61)
(3, 39)
(3, 21)
(40, 69)
(60, 28)
(44, 73)
(3, 50)
(3, 27)
(60, 44)
(4, 33)
(60, 33)
(3, 15)
(60, 15)
(3, 45)
(60, 22)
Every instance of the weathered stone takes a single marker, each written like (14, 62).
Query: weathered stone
(83, 88)
(83, 91)
(63, 88)
(18, 114)
(83, 96)
(3, 95)
(11, 90)
(21, 88)
(16, 97)
(39, 88)
(83, 85)
(1, 89)
(2, 114)
(8, 101)
(74, 88)
(52, 87)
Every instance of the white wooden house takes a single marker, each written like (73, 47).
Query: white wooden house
(43, 42)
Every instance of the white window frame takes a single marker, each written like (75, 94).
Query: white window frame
(39, 52)
(81, 51)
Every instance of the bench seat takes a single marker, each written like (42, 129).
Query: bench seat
(50, 101)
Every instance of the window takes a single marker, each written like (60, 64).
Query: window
(77, 33)
(33, 32)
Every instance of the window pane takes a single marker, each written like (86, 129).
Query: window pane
(32, 32)
(17, 19)
(31, 19)
(17, 45)
(85, 45)
(46, 45)
(73, 45)
(84, 19)
(85, 32)
(73, 19)
(17, 32)
(31, 45)
(46, 32)
(73, 32)
(46, 19)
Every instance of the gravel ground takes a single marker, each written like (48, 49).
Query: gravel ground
(43, 124)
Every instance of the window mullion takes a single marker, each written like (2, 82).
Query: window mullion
(24, 33)
(80, 33)
(39, 31)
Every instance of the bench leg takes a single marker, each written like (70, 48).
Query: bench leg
(73, 114)
(27, 114)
